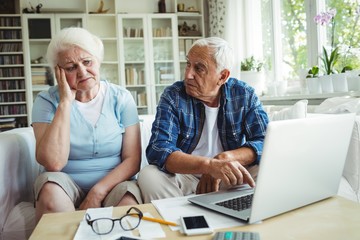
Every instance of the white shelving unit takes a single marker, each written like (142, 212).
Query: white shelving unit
(191, 15)
(38, 29)
(150, 56)
(155, 59)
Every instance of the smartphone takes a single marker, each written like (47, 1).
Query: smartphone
(195, 225)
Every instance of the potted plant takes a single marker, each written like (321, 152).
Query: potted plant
(353, 80)
(251, 64)
(339, 80)
(252, 73)
(312, 80)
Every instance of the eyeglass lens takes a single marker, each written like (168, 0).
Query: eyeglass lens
(103, 226)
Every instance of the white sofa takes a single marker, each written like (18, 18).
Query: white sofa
(18, 170)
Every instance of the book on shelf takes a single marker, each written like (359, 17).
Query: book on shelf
(134, 95)
(7, 124)
(182, 50)
(165, 74)
(188, 44)
(133, 32)
(42, 76)
(134, 76)
(131, 76)
(167, 78)
(162, 32)
(141, 99)
(39, 79)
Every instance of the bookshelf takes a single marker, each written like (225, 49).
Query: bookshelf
(144, 50)
(13, 101)
(38, 30)
(190, 18)
(150, 56)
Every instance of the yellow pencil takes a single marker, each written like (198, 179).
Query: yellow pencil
(159, 221)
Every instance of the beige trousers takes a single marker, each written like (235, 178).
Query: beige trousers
(77, 195)
(155, 184)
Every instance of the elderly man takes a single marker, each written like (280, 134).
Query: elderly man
(208, 131)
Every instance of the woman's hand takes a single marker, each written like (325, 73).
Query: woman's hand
(65, 91)
(93, 199)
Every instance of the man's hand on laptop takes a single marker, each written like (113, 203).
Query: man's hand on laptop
(230, 172)
(207, 184)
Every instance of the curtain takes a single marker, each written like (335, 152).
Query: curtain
(217, 14)
(239, 23)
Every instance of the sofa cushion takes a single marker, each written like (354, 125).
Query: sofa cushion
(339, 105)
(145, 128)
(298, 110)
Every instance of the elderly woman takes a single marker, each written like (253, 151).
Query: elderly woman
(87, 131)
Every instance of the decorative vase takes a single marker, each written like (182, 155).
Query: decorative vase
(326, 84)
(313, 85)
(339, 81)
(254, 79)
(162, 6)
(353, 80)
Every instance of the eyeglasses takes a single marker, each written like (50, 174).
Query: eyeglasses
(128, 222)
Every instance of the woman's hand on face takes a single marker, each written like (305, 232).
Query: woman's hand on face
(65, 91)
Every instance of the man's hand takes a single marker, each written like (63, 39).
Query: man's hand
(230, 172)
(207, 184)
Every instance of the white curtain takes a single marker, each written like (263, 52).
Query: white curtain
(238, 22)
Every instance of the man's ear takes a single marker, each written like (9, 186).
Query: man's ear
(224, 75)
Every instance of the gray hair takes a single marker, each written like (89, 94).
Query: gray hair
(222, 54)
(74, 36)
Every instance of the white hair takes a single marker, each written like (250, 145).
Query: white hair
(222, 54)
(74, 36)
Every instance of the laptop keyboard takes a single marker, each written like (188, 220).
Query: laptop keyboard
(238, 204)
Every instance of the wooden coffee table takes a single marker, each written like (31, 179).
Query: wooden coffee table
(333, 218)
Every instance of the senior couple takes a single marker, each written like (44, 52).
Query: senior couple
(208, 130)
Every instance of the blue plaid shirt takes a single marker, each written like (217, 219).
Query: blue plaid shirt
(179, 120)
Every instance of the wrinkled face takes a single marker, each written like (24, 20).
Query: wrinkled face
(82, 70)
(202, 80)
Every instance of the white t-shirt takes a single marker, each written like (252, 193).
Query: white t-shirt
(209, 144)
(91, 110)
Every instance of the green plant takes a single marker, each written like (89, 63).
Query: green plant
(251, 64)
(346, 68)
(313, 72)
(328, 18)
(330, 61)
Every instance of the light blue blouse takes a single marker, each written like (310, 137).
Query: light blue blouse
(94, 150)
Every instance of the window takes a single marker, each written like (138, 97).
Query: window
(293, 42)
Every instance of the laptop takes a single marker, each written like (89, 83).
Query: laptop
(302, 163)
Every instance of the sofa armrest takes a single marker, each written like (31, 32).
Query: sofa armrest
(18, 169)
(145, 128)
